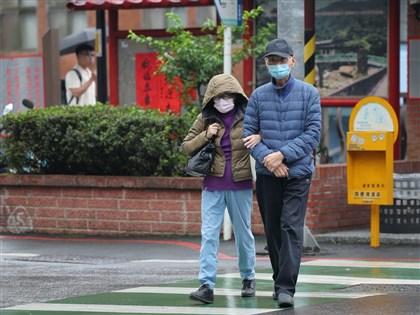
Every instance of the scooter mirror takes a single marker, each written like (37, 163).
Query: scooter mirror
(7, 109)
(28, 104)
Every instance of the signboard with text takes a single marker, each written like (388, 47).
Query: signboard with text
(229, 11)
(21, 78)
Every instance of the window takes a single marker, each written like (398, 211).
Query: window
(67, 22)
(19, 25)
(351, 47)
(196, 16)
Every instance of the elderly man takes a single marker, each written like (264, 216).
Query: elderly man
(286, 113)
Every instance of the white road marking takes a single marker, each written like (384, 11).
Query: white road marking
(232, 292)
(18, 255)
(164, 261)
(322, 279)
(141, 309)
(362, 264)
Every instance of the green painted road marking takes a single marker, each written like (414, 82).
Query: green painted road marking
(230, 292)
(319, 282)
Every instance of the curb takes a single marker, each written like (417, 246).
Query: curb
(363, 237)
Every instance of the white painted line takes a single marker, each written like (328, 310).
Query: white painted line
(141, 309)
(231, 292)
(362, 263)
(18, 255)
(164, 261)
(334, 279)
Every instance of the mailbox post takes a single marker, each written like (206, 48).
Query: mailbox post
(373, 129)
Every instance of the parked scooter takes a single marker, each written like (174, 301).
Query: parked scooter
(7, 110)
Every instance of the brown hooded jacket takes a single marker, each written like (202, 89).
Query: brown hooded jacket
(196, 138)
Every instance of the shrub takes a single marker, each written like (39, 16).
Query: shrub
(96, 140)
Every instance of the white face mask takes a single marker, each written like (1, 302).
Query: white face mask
(224, 105)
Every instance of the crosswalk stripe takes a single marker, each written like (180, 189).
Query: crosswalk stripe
(166, 261)
(322, 279)
(18, 255)
(142, 309)
(232, 292)
(362, 264)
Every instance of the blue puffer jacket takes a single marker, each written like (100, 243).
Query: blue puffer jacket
(288, 119)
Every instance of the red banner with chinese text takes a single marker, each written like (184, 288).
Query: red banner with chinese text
(151, 89)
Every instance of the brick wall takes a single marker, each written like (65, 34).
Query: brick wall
(129, 206)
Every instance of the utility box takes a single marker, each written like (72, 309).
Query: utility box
(370, 167)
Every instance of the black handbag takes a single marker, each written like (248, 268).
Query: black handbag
(200, 163)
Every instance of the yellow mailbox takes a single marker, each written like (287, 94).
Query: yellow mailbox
(370, 164)
(373, 129)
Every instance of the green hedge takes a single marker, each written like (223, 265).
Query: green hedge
(96, 140)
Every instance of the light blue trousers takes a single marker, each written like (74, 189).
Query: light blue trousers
(239, 205)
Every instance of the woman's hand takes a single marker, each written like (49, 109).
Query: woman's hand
(212, 130)
(251, 141)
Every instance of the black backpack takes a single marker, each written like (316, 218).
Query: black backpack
(64, 90)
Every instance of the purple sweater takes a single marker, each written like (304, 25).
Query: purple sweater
(214, 183)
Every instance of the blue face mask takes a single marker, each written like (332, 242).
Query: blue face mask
(279, 71)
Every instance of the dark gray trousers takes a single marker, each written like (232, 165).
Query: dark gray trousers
(282, 204)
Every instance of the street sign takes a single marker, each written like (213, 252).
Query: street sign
(230, 12)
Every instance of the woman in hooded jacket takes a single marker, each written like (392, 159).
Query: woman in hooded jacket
(228, 185)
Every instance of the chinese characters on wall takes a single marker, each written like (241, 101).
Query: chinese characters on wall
(21, 78)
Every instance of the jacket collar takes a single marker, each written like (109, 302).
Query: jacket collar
(285, 89)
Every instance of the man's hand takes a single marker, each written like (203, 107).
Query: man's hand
(93, 77)
(273, 161)
(281, 171)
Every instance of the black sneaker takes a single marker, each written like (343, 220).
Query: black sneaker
(248, 288)
(204, 294)
(285, 300)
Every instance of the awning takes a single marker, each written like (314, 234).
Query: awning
(133, 4)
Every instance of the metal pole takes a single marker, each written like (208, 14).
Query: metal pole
(102, 80)
(227, 50)
(374, 226)
(227, 68)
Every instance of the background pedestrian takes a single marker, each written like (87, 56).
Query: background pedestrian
(81, 80)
